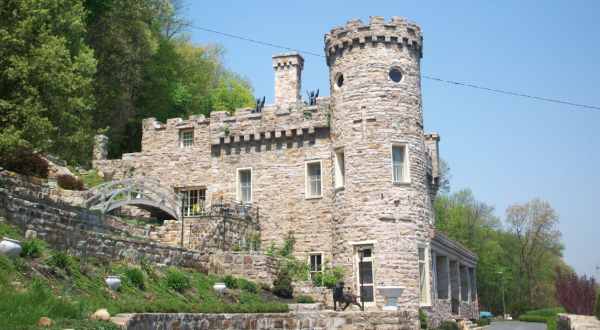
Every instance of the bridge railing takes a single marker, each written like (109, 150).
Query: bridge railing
(111, 195)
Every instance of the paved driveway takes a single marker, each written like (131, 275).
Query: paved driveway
(516, 325)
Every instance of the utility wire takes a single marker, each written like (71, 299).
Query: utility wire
(431, 78)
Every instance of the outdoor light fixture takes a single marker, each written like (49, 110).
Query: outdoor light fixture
(503, 308)
(363, 294)
(183, 200)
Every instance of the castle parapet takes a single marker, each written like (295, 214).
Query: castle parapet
(356, 34)
(272, 123)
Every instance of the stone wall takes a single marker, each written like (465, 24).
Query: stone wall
(26, 204)
(293, 320)
(577, 322)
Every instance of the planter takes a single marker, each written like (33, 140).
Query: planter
(220, 287)
(10, 247)
(242, 210)
(113, 282)
(391, 295)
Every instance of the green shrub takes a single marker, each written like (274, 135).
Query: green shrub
(422, 319)
(230, 281)
(532, 318)
(303, 299)
(552, 323)
(264, 286)
(482, 322)
(135, 276)
(329, 277)
(517, 308)
(69, 182)
(147, 267)
(282, 285)
(176, 280)
(34, 248)
(448, 326)
(60, 259)
(92, 179)
(546, 312)
(248, 286)
(250, 298)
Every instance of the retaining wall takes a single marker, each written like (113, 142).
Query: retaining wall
(577, 322)
(293, 320)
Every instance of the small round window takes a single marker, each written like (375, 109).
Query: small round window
(395, 75)
(340, 80)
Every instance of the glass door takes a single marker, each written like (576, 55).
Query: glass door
(366, 270)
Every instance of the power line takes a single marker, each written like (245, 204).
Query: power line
(431, 78)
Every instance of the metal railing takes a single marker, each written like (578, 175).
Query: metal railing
(223, 224)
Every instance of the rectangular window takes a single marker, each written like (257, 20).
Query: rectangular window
(399, 163)
(244, 185)
(187, 138)
(423, 276)
(340, 170)
(194, 202)
(365, 270)
(316, 262)
(313, 179)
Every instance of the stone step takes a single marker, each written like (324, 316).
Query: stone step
(305, 307)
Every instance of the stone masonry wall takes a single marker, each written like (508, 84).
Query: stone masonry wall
(275, 143)
(294, 320)
(370, 115)
(26, 204)
(577, 322)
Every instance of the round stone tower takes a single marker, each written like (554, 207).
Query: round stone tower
(381, 198)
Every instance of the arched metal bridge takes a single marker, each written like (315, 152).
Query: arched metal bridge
(161, 201)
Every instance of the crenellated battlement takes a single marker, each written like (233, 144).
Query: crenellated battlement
(396, 32)
(272, 123)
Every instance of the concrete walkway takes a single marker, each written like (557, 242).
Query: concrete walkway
(516, 325)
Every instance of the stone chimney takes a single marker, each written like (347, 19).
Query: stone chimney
(100, 147)
(288, 81)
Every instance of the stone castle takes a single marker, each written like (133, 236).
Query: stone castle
(354, 170)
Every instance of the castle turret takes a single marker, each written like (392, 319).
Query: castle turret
(288, 78)
(377, 128)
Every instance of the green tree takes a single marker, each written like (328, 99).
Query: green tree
(45, 76)
(230, 95)
(535, 239)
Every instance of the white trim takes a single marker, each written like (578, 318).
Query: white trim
(238, 192)
(307, 194)
(340, 171)
(357, 273)
(427, 276)
(316, 253)
(181, 133)
(405, 164)
(368, 242)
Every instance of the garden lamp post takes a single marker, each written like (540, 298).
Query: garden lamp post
(183, 200)
(361, 254)
(503, 308)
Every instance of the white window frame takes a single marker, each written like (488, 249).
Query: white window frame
(340, 168)
(189, 209)
(405, 165)
(310, 255)
(306, 177)
(371, 259)
(425, 262)
(184, 140)
(238, 183)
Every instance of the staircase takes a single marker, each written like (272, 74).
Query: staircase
(223, 225)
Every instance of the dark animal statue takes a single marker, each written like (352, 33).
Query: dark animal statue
(338, 294)
(339, 297)
(259, 104)
(312, 97)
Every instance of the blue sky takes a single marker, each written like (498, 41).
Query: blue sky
(507, 149)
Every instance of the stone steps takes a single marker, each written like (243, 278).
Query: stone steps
(305, 307)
